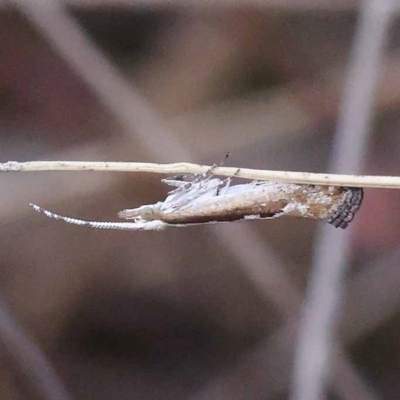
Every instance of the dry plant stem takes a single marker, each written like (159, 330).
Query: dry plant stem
(371, 181)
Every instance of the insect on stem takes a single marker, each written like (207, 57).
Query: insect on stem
(207, 199)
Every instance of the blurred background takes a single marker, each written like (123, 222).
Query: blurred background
(206, 312)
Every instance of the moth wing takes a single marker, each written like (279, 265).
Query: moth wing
(191, 194)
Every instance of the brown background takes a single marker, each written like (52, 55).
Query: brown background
(197, 313)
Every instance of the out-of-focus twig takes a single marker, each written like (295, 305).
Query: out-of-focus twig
(29, 358)
(130, 108)
(312, 359)
(303, 5)
(362, 316)
(137, 116)
(57, 27)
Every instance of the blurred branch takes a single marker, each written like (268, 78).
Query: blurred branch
(362, 315)
(298, 5)
(289, 4)
(332, 252)
(266, 370)
(86, 59)
(388, 182)
(365, 313)
(29, 358)
(150, 136)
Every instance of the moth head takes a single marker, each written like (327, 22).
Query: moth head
(147, 213)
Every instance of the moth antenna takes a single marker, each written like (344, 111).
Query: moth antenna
(126, 226)
(227, 154)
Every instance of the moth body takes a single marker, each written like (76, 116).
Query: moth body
(208, 199)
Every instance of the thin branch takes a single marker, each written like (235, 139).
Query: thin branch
(371, 181)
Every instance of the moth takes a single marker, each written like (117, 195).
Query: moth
(207, 199)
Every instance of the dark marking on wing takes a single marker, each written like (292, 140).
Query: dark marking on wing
(346, 211)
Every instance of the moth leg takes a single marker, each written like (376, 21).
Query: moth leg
(180, 184)
(174, 182)
(184, 195)
(224, 186)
